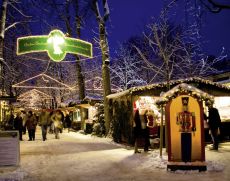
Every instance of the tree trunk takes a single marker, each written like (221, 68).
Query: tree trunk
(105, 56)
(161, 132)
(80, 77)
(167, 75)
(2, 33)
(105, 72)
(80, 80)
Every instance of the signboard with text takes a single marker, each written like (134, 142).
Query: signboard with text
(56, 44)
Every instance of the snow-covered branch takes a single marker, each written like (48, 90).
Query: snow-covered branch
(126, 70)
(14, 24)
(19, 11)
(153, 67)
(214, 6)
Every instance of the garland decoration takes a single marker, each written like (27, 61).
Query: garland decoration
(184, 89)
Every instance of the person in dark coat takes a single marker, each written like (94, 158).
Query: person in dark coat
(31, 123)
(214, 122)
(18, 125)
(44, 121)
(68, 122)
(145, 129)
(137, 130)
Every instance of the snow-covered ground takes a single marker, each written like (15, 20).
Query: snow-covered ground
(78, 157)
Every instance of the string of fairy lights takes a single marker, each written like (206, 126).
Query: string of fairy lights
(46, 79)
(179, 81)
(181, 89)
(56, 44)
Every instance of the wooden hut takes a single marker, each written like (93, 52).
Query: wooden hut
(122, 104)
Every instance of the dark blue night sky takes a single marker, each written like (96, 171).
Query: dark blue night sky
(129, 18)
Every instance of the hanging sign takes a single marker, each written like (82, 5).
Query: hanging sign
(56, 44)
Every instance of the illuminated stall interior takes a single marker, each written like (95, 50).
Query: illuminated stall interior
(4, 107)
(223, 105)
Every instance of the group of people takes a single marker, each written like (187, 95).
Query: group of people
(25, 121)
(54, 120)
(145, 120)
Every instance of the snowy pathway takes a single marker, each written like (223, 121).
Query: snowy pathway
(77, 157)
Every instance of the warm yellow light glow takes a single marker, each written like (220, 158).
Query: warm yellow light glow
(148, 103)
(56, 41)
(56, 44)
(223, 105)
(92, 112)
(44, 77)
(145, 102)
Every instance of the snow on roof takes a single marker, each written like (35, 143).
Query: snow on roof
(162, 85)
(184, 88)
(94, 97)
(173, 82)
(119, 94)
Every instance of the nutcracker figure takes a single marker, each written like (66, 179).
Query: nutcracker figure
(151, 124)
(186, 119)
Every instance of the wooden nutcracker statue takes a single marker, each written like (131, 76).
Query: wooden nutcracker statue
(187, 125)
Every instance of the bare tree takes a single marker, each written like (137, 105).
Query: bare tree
(78, 25)
(2, 35)
(194, 62)
(215, 6)
(164, 40)
(178, 47)
(80, 77)
(103, 41)
(126, 70)
(6, 26)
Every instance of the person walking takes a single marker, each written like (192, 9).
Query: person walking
(44, 121)
(145, 129)
(57, 118)
(31, 123)
(18, 125)
(137, 130)
(214, 122)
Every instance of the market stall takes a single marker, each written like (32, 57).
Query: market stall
(122, 104)
(185, 126)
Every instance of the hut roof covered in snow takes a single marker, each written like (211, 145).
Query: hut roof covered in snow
(212, 88)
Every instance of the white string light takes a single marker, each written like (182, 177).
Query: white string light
(25, 95)
(42, 75)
